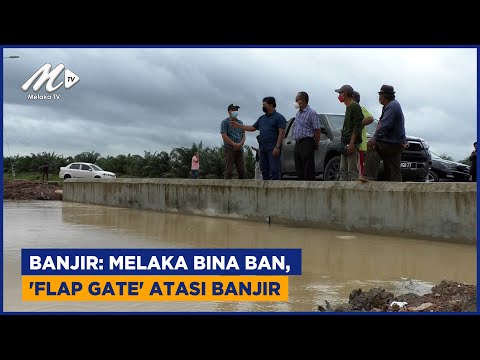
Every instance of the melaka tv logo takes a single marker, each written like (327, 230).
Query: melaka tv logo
(45, 74)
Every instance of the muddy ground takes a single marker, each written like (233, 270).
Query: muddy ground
(448, 296)
(31, 190)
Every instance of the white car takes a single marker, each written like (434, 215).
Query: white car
(84, 170)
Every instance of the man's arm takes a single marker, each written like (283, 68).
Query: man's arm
(316, 127)
(243, 127)
(316, 135)
(367, 117)
(367, 121)
(357, 125)
(243, 138)
(281, 135)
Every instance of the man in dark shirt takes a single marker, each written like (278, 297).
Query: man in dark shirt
(473, 164)
(388, 142)
(44, 169)
(307, 137)
(351, 134)
(272, 131)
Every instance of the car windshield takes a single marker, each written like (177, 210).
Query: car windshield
(336, 120)
(96, 168)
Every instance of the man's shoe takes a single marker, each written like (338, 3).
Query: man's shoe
(362, 179)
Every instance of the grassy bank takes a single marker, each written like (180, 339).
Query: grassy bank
(30, 176)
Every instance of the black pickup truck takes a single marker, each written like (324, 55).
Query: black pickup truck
(416, 158)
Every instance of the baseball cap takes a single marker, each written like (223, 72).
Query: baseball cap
(233, 107)
(345, 88)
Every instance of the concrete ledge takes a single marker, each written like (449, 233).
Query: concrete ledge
(436, 211)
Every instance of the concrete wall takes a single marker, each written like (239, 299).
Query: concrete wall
(437, 211)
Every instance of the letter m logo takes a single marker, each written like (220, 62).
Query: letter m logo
(44, 75)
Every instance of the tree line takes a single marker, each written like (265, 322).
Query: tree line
(175, 164)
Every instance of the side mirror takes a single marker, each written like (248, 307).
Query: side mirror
(323, 130)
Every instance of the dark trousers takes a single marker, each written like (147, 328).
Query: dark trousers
(234, 158)
(194, 174)
(269, 165)
(391, 155)
(473, 172)
(304, 156)
(45, 175)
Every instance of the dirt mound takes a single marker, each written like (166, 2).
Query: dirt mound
(31, 190)
(448, 296)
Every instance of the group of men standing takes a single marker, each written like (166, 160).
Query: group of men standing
(360, 159)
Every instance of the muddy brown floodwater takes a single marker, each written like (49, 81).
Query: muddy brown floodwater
(334, 263)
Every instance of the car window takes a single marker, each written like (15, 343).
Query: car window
(97, 168)
(289, 131)
(336, 120)
(86, 167)
(75, 166)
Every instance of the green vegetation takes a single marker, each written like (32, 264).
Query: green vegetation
(175, 164)
(30, 176)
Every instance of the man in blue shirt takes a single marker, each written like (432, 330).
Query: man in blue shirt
(233, 140)
(388, 142)
(272, 131)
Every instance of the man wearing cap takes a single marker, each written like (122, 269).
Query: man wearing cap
(351, 134)
(389, 140)
(271, 126)
(233, 140)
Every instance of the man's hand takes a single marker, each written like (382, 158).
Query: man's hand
(237, 147)
(234, 124)
(371, 144)
(350, 149)
(276, 152)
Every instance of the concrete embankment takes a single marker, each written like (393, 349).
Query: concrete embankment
(436, 211)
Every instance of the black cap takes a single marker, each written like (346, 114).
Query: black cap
(345, 88)
(233, 107)
(386, 89)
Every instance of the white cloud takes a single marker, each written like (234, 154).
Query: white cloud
(136, 100)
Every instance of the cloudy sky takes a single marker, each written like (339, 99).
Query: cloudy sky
(132, 100)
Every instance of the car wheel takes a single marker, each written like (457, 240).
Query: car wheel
(332, 170)
(432, 177)
(66, 177)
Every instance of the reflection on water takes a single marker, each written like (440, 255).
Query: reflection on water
(333, 262)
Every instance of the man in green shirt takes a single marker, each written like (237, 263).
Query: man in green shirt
(351, 134)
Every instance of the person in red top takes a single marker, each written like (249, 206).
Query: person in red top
(195, 165)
